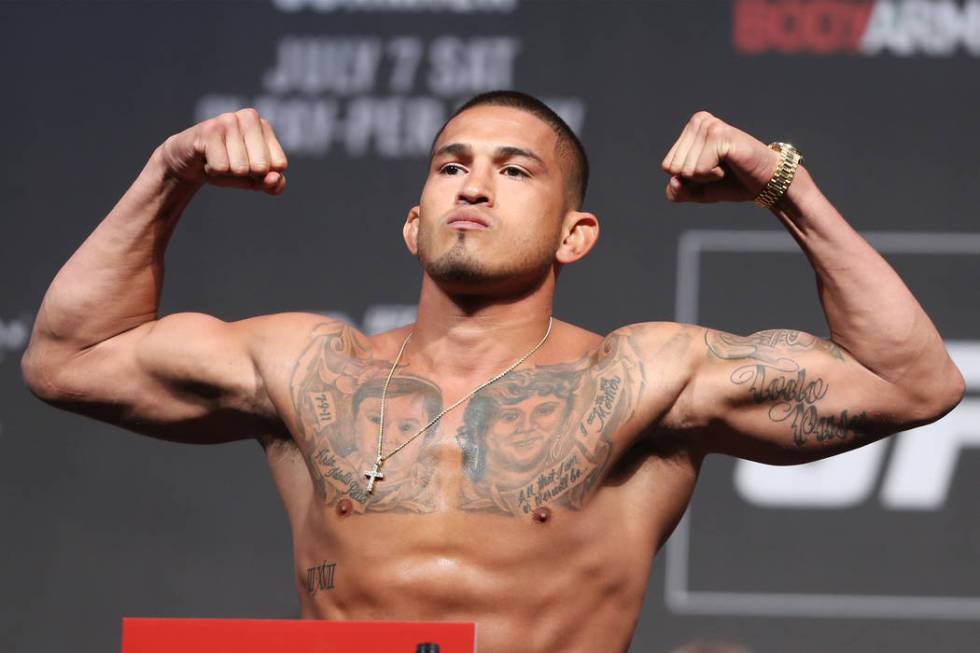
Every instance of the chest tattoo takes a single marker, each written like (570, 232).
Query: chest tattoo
(541, 435)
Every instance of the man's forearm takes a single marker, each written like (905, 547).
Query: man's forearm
(869, 309)
(112, 282)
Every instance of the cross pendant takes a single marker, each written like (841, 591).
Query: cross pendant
(374, 475)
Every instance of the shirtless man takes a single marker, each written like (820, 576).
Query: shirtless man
(535, 507)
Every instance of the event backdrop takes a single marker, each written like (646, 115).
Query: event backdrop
(876, 550)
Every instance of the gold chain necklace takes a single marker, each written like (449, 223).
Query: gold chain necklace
(375, 474)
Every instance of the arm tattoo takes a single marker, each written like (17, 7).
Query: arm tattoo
(776, 380)
(793, 397)
(766, 345)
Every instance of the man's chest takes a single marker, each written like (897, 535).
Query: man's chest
(541, 436)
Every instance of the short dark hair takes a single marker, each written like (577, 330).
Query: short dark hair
(570, 149)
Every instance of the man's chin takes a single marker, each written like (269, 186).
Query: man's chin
(469, 277)
(458, 272)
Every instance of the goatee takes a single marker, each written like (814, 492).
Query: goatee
(459, 267)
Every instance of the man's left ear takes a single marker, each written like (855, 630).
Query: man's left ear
(410, 230)
(580, 231)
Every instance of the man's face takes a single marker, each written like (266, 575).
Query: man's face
(491, 212)
(519, 434)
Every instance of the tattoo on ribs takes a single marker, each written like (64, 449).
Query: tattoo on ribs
(542, 434)
(320, 577)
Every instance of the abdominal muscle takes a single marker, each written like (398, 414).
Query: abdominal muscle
(574, 581)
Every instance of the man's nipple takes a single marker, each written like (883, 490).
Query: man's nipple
(344, 507)
(542, 514)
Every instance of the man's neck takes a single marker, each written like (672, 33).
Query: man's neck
(471, 337)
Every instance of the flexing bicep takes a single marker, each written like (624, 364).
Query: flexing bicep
(186, 377)
(787, 397)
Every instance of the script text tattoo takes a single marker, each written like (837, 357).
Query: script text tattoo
(778, 381)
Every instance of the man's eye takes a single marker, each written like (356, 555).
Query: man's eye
(511, 171)
(451, 169)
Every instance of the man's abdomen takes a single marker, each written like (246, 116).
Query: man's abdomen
(572, 581)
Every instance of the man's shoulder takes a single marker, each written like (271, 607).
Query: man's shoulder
(666, 346)
(655, 334)
(289, 333)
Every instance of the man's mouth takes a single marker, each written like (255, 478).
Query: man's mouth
(466, 224)
(467, 219)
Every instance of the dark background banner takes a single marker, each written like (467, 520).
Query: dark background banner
(875, 550)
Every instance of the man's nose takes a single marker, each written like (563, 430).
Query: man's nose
(477, 188)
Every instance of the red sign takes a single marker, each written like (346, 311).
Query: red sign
(794, 26)
(292, 636)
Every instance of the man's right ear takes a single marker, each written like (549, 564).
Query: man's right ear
(410, 231)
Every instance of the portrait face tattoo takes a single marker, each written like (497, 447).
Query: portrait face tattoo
(409, 406)
(521, 433)
(514, 429)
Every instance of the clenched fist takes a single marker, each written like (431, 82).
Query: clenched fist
(715, 162)
(234, 149)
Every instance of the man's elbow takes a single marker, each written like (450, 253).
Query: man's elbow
(35, 376)
(43, 376)
(933, 400)
(956, 390)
